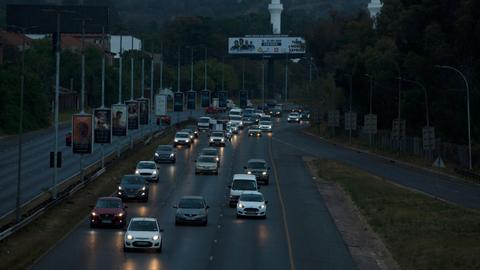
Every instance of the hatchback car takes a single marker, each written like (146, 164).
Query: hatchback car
(143, 233)
(294, 117)
(182, 138)
(265, 126)
(254, 131)
(206, 164)
(217, 138)
(212, 152)
(165, 153)
(108, 211)
(191, 209)
(252, 204)
(133, 187)
(259, 168)
(147, 169)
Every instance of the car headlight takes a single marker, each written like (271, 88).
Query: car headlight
(119, 187)
(175, 140)
(154, 172)
(239, 205)
(222, 139)
(129, 237)
(137, 172)
(144, 188)
(155, 237)
(217, 158)
(94, 214)
(187, 140)
(120, 215)
(264, 173)
(171, 155)
(156, 154)
(211, 140)
(262, 206)
(249, 172)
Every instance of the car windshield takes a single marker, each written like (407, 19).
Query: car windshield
(143, 226)
(217, 134)
(108, 203)
(251, 198)
(244, 185)
(294, 114)
(265, 118)
(264, 122)
(164, 148)
(191, 204)
(204, 120)
(207, 159)
(182, 135)
(132, 180)
(256, 165)
(235, 117)
(146, 165)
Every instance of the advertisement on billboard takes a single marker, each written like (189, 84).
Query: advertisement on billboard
(143, 103)
(102, 132)
(119, 120)
(191, 100)
(82, 133)
(160, 104)
(243, 99)
(266, 45)
(178, 102)
(222, 99)
(205, 98)
(133, 114)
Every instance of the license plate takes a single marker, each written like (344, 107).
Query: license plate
(106, 221)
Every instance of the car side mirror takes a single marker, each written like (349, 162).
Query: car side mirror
(259, 187)
(268, 168)
(124, 229)
(229, 186)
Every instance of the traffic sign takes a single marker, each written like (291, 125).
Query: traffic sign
(398, 129)
(370, 124)
(333, 118)
(428, 138)
(350, 121)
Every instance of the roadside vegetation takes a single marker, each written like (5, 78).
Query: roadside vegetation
(421, 232)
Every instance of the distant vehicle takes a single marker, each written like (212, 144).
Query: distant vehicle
(68, 139)
(211, 152)
(194, 129)
(165, 153)
(143, 233)
(108, 211)
(254, 131)
(233, 128)
(241, 183)
(191, 209)
(133, 187)
(293, 117)
(147, 169)
(296, 109)
(230, 104)
(235, 112)
(265, 126)
(252, 204)
(164, 119)
(217, 138)
(259, 168)
(190, 132)
(265, 118)
(249, 117)
(223, 119)
(259, 113)
(203, 123)
(237, 120)
(206, 164)
(182, 138)
(276, 112)
(305, 115)
(212, 110)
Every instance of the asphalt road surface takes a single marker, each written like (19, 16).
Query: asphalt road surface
(297, 234)
(37, 176)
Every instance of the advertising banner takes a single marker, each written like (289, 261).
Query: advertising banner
(144, 109)
(82, 133)
(191, 100)
(160, 104)
(222, 99)
(102, 132)
(243, 99)
(133, 114)
(266, 45)
(178, 102)
(119, 120)
(205, 98)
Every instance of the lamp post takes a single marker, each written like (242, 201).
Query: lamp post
(468, 110)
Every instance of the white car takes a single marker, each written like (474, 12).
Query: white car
(294, 117)
(252, 204)
(241, 183)
(203, 123)
(143, 233)
(206, 164)
(254, 131)
(217, 138)
(265, 126)
(236, 120)
(147, 169)
(182, 138)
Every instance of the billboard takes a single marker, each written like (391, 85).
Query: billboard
(178, 102)
(222, 99)
(143, 112)
(119, 120)
(82, 133)
(133, 114)
(205, 98)
(160, 104)
(243, 99)
(266, 45)
(102, 132)
(191, 100)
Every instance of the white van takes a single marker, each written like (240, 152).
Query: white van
(241, 183)
(203, 123)
(235, 112)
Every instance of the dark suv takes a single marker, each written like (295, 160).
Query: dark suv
(134, 187)
(259, 168)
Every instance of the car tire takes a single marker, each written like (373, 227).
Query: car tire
(159, 250)
(145, 199)
(177, 223)
(264, 217)
(205, 223)
(196, 173)
(216, 172)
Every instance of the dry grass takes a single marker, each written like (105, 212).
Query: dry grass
(420, 232)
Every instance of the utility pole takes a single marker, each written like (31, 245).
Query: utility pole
(350, 114)
(131, 72)
(152, 73)
(263, 82)
(161, 68)
(191, 71)
(223, 73)
(243, 75)
(103, 67)
(286, 80)
(82, 111)
(205, 73)
(120, 68)
(143, 73)
(178, 69)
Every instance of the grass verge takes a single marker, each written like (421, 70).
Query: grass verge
(420, 232)
(20, 250)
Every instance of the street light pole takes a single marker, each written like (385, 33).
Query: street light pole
(205, 70)
(120, 68)
(286, 79)
(263, 82)
(191, 70)
(470, 165)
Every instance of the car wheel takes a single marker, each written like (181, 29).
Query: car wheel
(196, 173)
(216, 172)
(205, 223)
(177, 223)
(145, 199)
(159, 250)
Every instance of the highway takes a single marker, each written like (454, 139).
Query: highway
(297, 234)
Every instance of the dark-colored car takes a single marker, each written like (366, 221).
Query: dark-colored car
(108, 211)
(191, 209)
(134, 187)
(259, 168)
(305, 115)
(212, 110)
(276, 112)
(194, 129)
(189, 131)
(165, 153)
(164, 119)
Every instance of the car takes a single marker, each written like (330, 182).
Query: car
(203, 123)
(293, 117)
(298, 110)
(143, 233)
(276, 112)
(265, 118)
(191, 209)
(217, 138)
(236, 120)
(235, 112)
(190, 132)
(254, 131)
(241, 183)
(147, 169)
(211, 152)
(194, 129)
(212, 110)
(232, 127)
(222, 119)
(68, 139)
(164, 119)
(108, 211)
(305, 115)
(258, 113)
(249, 117)
(182, 138)
(265, 126)
(165, 153)
(252, 204)
(133, 187)
(206, 164)
(259, 168)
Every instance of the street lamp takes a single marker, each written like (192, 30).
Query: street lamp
(468, 111)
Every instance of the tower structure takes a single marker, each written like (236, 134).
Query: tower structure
(374, 7)
(276, 8)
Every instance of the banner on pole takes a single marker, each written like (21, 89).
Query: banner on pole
(82, 134)
(191, 100)
(102, 132)
(133, 114)
(178, 102)
(119, 120)
(205, 98)
(144, 109)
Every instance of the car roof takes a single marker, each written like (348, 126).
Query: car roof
(204, 117)
(242, 176)
(182, 132)
(256, 160)
(252, 192)
(192, 197)
(143, 219)
(145, 161)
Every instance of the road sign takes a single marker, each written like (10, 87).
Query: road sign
(205, 98)
(333, 119)
(428, 138)
(370, 124)
(398, 129)
(160, 104)
(350, 121)
(222, 99)
(178, 102)
(191, 100)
